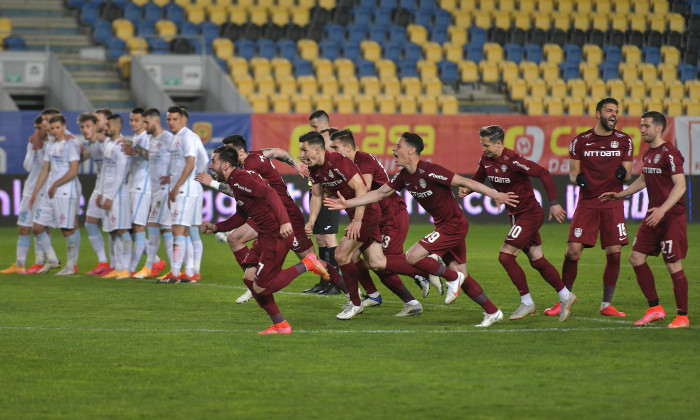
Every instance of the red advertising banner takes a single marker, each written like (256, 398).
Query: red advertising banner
(450, 140)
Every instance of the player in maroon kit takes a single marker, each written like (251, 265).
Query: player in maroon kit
(259, 162)
(664, 229)
(600, 161)
(393, 225)
(430, 185)
(257, 200)
(508, 171)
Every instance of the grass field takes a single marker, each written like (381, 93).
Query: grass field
(85, 347)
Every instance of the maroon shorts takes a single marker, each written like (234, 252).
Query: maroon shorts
(448, 242)
(268, 254)
(669, 238)
(394, 232)
(588, 221)
(301, 242)
(525, 229)
(369, 231)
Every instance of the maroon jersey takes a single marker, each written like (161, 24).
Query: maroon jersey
(511, 172)
(257, 162)
(660, 164)
(257, 200)
(430, 185)
(335, 173)
(600, 156)
(390, 206)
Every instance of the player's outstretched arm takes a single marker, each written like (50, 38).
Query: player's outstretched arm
(286, 157)
(638, 185)
(509, 198)
(373, 196)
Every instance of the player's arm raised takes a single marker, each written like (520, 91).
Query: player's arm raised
(373, 196)
(508, 198)
(286, 157)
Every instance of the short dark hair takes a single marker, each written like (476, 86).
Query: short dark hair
(236, 141)
(605, 101)
(493, 132)
(345, 136)
(58, 118)
(413, 140)
(179, 110)
(320, 115)
(313, 138)
(151, 112)
(657, 118)
(38, 119)
(137, 111)
(50, 111)
(226, 154)
(87, 116)
(104, 111)
(329, 130)
(116, 117)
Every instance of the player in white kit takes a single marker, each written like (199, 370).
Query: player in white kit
(193, 258)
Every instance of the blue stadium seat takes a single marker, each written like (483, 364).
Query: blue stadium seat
(448, 71)
(609, 71)
(351, 51)
(424, 18)
(428, 4)
(76, 4)
(175, 13)
(407, 68)
(367, 4)
(329, 49)
(13, 43)
(411, 5)
(652, 55)
(335, 32)
(302, 67)
(686, 72)
(477, 35)
(572, 54)
(438, 34)
(188, 28)
(393, 51)
(245, 48)
(159, 46)
(382, 17)
(612, 54)
(513, 52)
(365, 68)
(266, 48)
(533, 52)
(133, 14)
(473, 52)
(197, 46)
(115, 48)
(397, 33)
(152, 12)
(362, 15)
(356, 32)
(145, 29)
(695, 7)
(378, 34)
(287, 49)
(89, 13)
(102, 32)
(388, 4)
(412, 51)
(569, 71)
(222, 63)
(442, 18)
(210, 31)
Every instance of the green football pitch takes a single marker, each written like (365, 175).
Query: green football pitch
(84, 347)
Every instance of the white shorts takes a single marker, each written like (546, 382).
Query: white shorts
(57, 212)
(140, 207)
(92, 209)
(26, 216)
(182, 210)
(119, 216)
(198, 211)
(160, 212)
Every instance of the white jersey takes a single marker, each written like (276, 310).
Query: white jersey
(184, 145)
(60, 154)
(202, 161)
(33, 162)
(96, 151)
(139, 179)
(114, 170)
(159, 158)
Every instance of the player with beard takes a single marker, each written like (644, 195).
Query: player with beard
(600, 161)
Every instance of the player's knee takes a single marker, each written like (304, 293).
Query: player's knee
(636, 259)
(341, 258)
(613, 258)
(504, 258)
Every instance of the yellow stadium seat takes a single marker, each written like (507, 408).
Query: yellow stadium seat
(137, 46)
(596, 89)
(329, 86)
(260, 67)
(565, 6)
(542, 21)
(222, 48)
(449, 5)
(350, 85)
(302, 104)
(631, 54)
(432, 87)
(636, 90)
(549, 71)
(5, 27)
(561, 21)
(195, 15)
(670, 55)
(659, 7)
(462, 19)
(238, 66)
(307, 49)
(457, 35)
(326, 4)
(160, 3)
(628, 72)
(691, 107)
(598, 22)
(286, 84)
(553, 53)
(391, 87)
(537, 89)
(584, 7)
(371, 50)
(501, 19)
(365, 104)
(386, 69)
(417, 34)
(281, 66)
(528, 70)
(527, 6)
(673, 107)
(556, 88)
(676, 22)
(589, 71)
(488, 71)
(493, 52)
(202, 3)
(647, 72)
(281, 104)
(667, 73)
(307, 4)
(545, 6)
(468, 71)
(580, 21)
(237, 15)
(411, 86)
(123, 64)
(506, 5)
(432, 51)
(656, 91)
(344, 68)
(657, 23)
(617, 22)
(428, 106)
(633, 108)
(487, 6)
(576, 88)
(574, 106)
(299, 16)
(534, 106)
(590, 104)
(637, 22)
(616, 88)
(554, 106)
(166, 29)
(259, 103)
(652, 105)
(123, 29)
(427, 69)
(593, 54)
(279, 16)
(509, 71)
(482, 19)
(323, 68)
(386, 105)
(344, 104)
(307, 85)
(522, 20)
(517, 89)
(265, 85)
(217, 14)
(641, 7)
(452, 51)
(371, 86)
(692, 90)
(448, 105)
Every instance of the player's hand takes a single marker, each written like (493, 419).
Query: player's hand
(557, 212)
(207, 227)
(353, 230)
(172, 195)
(581, 180)
(302, 169)
(654, 216)
(126, 148)
(99, 201)
(204, 178)
(107, 205)
(509, 199)
(164, 180)
(309, 228)
(608, 196)
(286, 230)
(339, 203)
(620, 173)
(52, 191)
(35, 141)
(464, 191)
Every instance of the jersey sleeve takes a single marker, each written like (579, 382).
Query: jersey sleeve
(74, 151)
(29, 157)
(675, 162)
(397, 183)
(480, 174)
(532, 169)
(189, 147)
(243, 183)
(627, 156)
(444, 175)
(575, 149)
(123, 162)
(236, 220)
